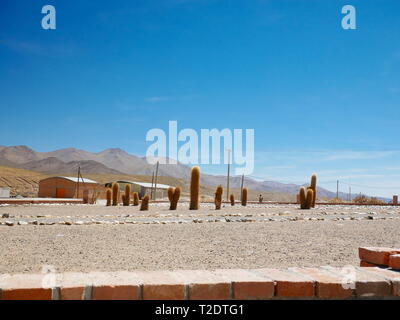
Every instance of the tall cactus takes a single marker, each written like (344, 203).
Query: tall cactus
(115, 193)
(144, 206)
(194, 189)
(135, 199)
(302, 196)
(244, 197)
(232, 198)
(313, 186)
(109, 196)
(127, 195)
(173, 196)
(170, 192)
(218, 197)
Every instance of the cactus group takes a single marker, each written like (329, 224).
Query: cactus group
(232, 198)
(135, 199)
(126, 198)
(194, 189)
(173, 196)
(115, 192)
(144, 206)
(306, 198)
(109, 196)
(244, 197)
(218, 197)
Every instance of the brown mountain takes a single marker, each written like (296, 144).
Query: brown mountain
(56, 166)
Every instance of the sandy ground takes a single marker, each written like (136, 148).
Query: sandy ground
(267, 239)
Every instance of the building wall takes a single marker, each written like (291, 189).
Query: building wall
(4, 192)
(64, 188)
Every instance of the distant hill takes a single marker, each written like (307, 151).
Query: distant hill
(117, 161)
(54, 165)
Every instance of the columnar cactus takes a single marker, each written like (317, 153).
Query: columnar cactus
(173, 196)
(194, 189)
(309, 198)
(135, 199)
(232, 198)
(218, 197)
(115, 191)
(314, 189)
(302, 196)
(171, 191)
(109, 196)
(144, 206)
(127, 195)
(244, 197)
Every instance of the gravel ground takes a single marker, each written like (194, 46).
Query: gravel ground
(115, 247)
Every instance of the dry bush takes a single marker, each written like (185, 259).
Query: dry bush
(336, 200)
(366, 200)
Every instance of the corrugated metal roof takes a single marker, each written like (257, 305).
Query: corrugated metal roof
(145, 184)
(75, 179)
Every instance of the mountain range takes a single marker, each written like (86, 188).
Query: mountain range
(118, 161)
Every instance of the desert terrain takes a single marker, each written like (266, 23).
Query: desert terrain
(96, 237)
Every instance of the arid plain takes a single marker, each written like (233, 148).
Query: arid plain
(95, 237)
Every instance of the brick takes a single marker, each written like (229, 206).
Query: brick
(164, 292)
(27, 294)
(205, 285)
(392, 276)
(364, 283)
(289, 284)
(72, 293)
(327, 285)
(247, 285)
(377, 255)
(366, 264)
(162, 285)
(112, 292)
(115, 286)
(24, 287)
(394, 261)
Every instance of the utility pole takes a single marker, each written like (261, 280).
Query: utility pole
(227, 182)
(337, 189)
(241, 187)
(77, 186)
(350, 189)
(155, 182)
(152, 184)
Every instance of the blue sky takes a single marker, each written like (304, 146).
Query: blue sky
(320, 99)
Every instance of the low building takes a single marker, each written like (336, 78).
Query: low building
(142, 188)
(4, 192)
(67, 187)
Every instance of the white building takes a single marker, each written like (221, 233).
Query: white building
(4, 192)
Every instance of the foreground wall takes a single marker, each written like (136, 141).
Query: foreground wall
(293, 283)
